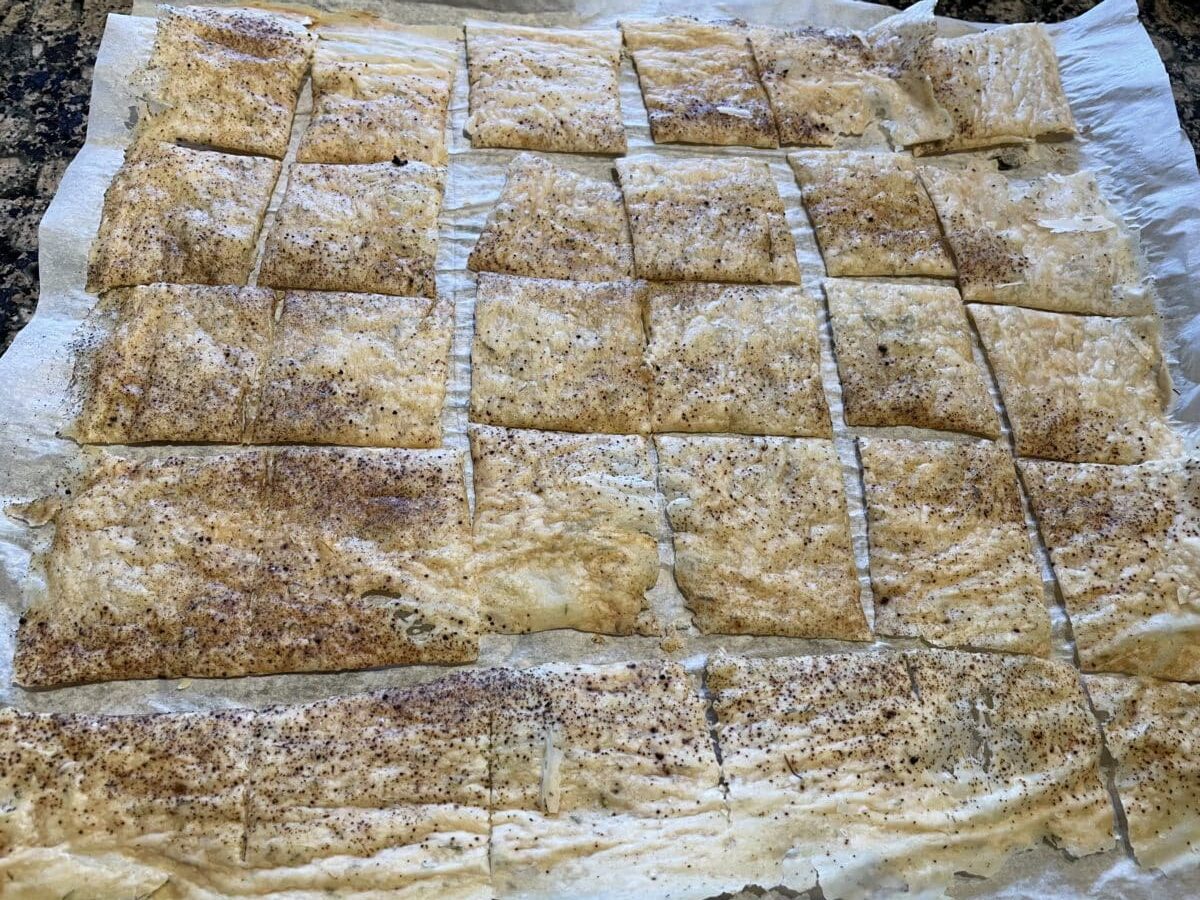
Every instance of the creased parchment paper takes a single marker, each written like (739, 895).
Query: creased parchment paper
(1129, 134)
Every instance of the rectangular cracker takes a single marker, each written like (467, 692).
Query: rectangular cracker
(727, 358)
(1122, 540)
(699, 82)
(604, 779)
(379, 94)
(565, 530)
(357, 370)
(1150, 729)
(224, 78)
(951, 561)
(169, 362)
(559, 355)
(1080, 388)
(550, 222)
(254, 562)
(905, 357)
(762, 538)
(876, 770)
(707, 220)
(372, 229)
(1000, 86)
(1052, 243)
(544, 88)
(871, 214)
(180, 215)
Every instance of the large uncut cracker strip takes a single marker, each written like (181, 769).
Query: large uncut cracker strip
(950, 559)
(565, 530)
(1000, 86)
(707, 220)
(176, 214)
(762, 538)
(870, 771)
(1150, 729)
(1053, 243)
(550, 222)
(559, 355)
(905, 357)
(371, 228)
(225, 78)
(1079, 388)
(544, 89)
(727, 358)
(871, 214)
(700, 82)
(825, 85)
(378, 96)
(260, 561)
(1124, 542)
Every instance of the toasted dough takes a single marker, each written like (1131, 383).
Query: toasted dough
(1125, 547)
(544, 88)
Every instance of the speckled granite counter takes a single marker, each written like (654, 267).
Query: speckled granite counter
(49, 46)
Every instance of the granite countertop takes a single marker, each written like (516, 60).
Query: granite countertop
(49, 47)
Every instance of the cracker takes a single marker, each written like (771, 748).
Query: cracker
(550, 222)
(951, 561)
(1079, 388)
(726, 358)
(565, 530)
(762, 538)
(905, 357)
(180, 215)
(699, 82)
(559, 355)
(225, 78)
(871, 214)
(372, 229)
(1122, 540)
(885, 769)
(544, 88)
(357, 370)
(1052, 243)
(707, 220)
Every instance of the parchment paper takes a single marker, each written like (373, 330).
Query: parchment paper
(1129, 134)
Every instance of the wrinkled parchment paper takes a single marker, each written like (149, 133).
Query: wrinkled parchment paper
(1129, 135)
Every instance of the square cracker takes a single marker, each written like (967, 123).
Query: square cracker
(372, 229)
(544, 88)
(225, 78)
(169, 362)
(1052, 243)
(905, 357)
(254, 562)
(550, 222)
(728, 358)
(871, 214)
(1150, 729)
(378, 96)
(566, 530)
(1079, 388)
(559, 355)
(363, 370)
(1000, 86)
(699, 82)
(1122, 540)
(868, 770)
(604, 779)
(180, 215)
(707, 220)
(951, 561)
(762, 538)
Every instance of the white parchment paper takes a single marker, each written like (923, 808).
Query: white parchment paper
(1129, 134)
